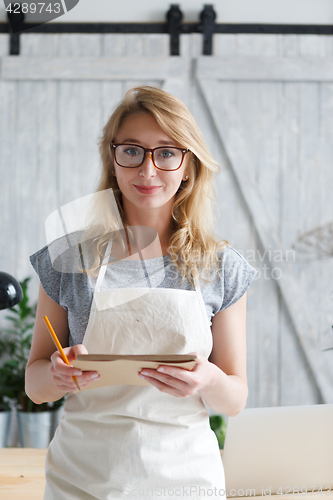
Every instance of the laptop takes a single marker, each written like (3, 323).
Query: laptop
(279, 450)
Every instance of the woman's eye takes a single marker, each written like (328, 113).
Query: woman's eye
(132, 151)
(166, 153)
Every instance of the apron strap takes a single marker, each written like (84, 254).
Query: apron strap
(102, 270)
(197, 284)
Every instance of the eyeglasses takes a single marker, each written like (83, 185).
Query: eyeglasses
(164, 158)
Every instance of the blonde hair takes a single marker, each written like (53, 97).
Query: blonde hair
(193, 247)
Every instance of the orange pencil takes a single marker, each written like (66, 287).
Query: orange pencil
(59, 347)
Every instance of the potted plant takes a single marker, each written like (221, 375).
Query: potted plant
(35, 422)
(5, 409)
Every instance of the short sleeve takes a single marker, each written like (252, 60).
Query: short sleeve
(237, 276)
(51, 280)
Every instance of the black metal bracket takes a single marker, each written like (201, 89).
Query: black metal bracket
(15, 21)
(174, 28)
(207, 17)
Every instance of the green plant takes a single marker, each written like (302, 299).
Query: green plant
(219, 426)
(7, 387)
(15, 344)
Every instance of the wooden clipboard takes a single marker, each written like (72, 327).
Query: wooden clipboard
(124, 369)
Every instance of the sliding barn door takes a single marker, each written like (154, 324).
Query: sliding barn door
(264, 104)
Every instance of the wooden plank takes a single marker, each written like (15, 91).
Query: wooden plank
(293, 365)
(256, 107)
(28, 151)
(42, 174)
(36, 170)
(26, 140)
(227, 123)
(157, 45)
(19, 488)
(289, 46)
(52, 45)
(113, 45)
(325, 155)
(111, 95)
(22, 473)
(266, 69)
(96, 68)
(39, 44)
(225, 45)
(8, 174)
(312, 46)
(253, 45)
(255, 104)
(326, 208)
(4, 45)
(78, 157)
(80, 45)
(310, 189)
(234, 224)
(18, 457)
(135, 45)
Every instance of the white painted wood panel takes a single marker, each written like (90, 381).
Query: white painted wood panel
(226, 121)
(263, 68)
(4, 45)
(118, 45)
(64, 45)
(325, 173)
(302, 388)
(79, 126)
(97, 68)
(8, 159)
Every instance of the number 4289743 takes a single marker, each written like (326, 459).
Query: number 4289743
(34, 8)
(313, 490)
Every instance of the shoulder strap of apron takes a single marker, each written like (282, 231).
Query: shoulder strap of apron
(102, 270)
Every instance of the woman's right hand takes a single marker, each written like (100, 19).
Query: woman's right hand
(62, 373)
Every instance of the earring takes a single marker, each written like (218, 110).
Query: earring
(186, 178)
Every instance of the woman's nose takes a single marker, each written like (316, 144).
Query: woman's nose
(148, 167)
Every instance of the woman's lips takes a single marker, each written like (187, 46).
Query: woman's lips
(147, 189)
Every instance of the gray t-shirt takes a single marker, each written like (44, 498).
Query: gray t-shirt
(74, 291)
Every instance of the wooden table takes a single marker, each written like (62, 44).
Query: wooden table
(22, 474)
(22, 477)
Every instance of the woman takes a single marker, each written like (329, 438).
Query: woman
(150, 441)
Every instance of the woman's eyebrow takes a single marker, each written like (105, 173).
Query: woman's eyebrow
(170, 142)
(130, 141)
(162, 142)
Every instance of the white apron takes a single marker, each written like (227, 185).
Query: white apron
(127, 441)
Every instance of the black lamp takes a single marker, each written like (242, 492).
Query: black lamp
(10, 291)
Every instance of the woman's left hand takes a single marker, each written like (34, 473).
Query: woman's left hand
(179, 382)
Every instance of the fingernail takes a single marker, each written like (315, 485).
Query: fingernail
(160, 369)
(141, 375)
(144, 373)
(95, 375)
(77, 372)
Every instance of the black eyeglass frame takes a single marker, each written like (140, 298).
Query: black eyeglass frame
(147, 150)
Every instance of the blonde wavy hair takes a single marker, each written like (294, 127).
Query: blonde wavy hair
(193, 247)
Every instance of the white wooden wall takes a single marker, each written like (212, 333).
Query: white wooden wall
(272, 135)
